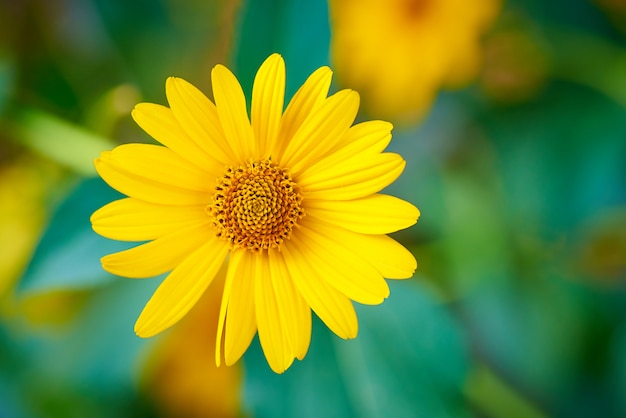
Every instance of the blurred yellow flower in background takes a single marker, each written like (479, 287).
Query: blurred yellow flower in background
(290, 198)
(399, 53)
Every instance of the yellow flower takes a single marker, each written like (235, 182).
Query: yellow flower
(290, 198)
(399, 53)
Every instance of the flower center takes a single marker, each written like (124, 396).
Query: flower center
(256, 205)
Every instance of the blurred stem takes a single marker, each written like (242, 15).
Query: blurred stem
(493, 397)
(59, 140)
(590, 60)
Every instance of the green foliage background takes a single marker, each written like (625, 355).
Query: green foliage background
(518, 308)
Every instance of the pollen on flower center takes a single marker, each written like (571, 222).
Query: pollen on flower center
(256, 205)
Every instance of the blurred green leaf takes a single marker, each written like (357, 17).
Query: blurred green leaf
(68, 255)
(478, 252)
(410, 359)
(100, 350)
(618, 378)
(537, 331)
(90, 367)
(7, 78)
(590, 60)
(11, 363)
(59, 140)
(299, 30)
(496, 399)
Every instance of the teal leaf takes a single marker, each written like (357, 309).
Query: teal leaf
(88, 368)
(69, 252)
(8, 75)
(299, 30)
(100, 350)
(410, 359)
(618, 352)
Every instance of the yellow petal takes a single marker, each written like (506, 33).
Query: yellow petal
(162, 164)
(233, 114)
(390, 258)
(233, 265)
(198, 116)
(135, 220)
(241, 324)
(387, 255)
(332, 306)
(370, 137)
(295, 312)
(158, 256)
(270, 316)
(357, 177)
(268, 95)
(321, 131)
(161, 124)
(342, 267)
(308, 97)
(182, 288)
(154, 174)
(375, 214)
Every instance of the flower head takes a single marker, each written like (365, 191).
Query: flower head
(290, 199)
(399, 53)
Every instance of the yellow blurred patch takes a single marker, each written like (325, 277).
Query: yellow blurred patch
(54, 308)
(397, 54)
(602, 247)
(24, 186)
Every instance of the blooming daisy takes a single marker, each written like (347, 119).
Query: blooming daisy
(289, 198)
(399, 53)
